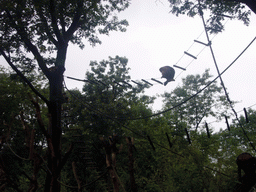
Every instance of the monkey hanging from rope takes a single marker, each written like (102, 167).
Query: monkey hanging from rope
(168, 73)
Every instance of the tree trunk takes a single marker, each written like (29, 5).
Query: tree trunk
(54, 129)
(130, 164)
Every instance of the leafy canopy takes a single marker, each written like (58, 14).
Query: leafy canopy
(203, 105)
(44, 27)
(218, 11)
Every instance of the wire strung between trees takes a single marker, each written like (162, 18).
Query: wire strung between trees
(221, 80)
(97, 111)
(88, 106)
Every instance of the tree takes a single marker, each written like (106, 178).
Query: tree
(21, 142)
(109, 89)
(35, 34)
(196, 108)
(218, 10)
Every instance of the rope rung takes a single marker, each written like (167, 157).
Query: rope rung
(179, 67)
(190, 55)
(147, 82)
(201, 43)
(222, 15)
(209, 28)
(127, 83)
(118, 83)
(156, 81)
(136, 83)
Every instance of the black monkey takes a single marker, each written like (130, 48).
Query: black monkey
(247, 163)
(168, 73)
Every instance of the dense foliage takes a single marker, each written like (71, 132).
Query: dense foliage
(218, 10)
(89, 118)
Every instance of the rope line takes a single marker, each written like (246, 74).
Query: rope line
(86, 104)
(221, 80)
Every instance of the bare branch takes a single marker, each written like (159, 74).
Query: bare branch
(42, 127)
(22, 33)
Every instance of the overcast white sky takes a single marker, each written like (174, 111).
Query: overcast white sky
(156, 38)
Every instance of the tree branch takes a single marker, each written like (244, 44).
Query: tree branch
(44, 21)
(23, 77)
(62, 20)
(55, 23)
(76, 21)
(24, 36)
(42, 127)
(74, 25)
